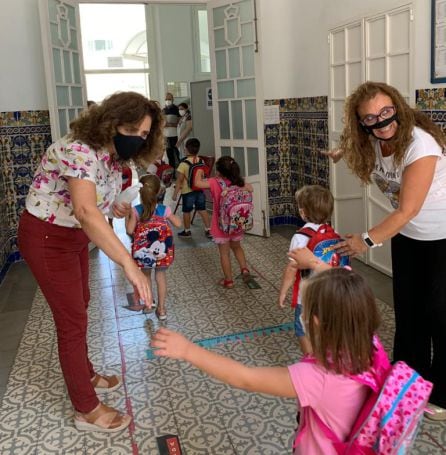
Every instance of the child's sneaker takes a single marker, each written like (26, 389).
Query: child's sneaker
(185, 234)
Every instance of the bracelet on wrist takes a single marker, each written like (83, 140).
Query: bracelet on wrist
(369, 241)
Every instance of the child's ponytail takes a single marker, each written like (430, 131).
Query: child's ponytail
(149, 191)
(228, 168)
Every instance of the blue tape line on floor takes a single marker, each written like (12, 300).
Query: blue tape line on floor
(235, 337)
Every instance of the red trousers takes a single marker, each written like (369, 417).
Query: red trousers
(58, 258)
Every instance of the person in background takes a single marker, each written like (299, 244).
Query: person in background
(190, 199)
(402, 150)
(228, 173)
(145, 219)
(74, 186)
(184, 128)
(171, 114)
(343, 348)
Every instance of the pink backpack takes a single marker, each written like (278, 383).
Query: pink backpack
(235, 216)
(388, 421)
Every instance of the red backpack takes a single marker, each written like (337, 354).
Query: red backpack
(321, 244)
(153, 240)
(165, 173)
(200, 165)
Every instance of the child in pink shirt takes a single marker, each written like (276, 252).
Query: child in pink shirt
(228, 171)
(339, 310)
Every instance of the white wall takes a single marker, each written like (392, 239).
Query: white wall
(294, 46)
(22, 78)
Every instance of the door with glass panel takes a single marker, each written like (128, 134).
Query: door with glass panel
(59, 22)
(375, 48)
(237, 98)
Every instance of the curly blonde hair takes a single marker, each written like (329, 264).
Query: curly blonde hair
(98, 125)
(358, 146)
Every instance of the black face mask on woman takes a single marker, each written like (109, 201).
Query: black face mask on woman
(382, 124)
(128, 146)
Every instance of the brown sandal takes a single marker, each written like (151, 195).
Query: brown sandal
(104, 384)
(102, 419)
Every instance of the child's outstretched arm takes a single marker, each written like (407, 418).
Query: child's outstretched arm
(175, 220)
(130, 222)
(270, 380)
(200, 181)
(288, 278)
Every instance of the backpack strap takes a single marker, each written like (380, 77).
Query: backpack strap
(308, 232)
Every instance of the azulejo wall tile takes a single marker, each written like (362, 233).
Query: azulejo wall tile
(24, 136)
(293, 152)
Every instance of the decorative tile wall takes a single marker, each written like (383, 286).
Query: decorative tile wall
(292, 151)
(433, 102)
(24, 136)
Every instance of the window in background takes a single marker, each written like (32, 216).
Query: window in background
(114, 43)
(201, 44)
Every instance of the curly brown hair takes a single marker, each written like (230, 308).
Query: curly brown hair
(98, 125)
(358, 146)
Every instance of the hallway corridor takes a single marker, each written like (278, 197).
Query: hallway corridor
(165, 397)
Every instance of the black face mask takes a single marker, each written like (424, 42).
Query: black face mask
(128, 146)
(378, 125)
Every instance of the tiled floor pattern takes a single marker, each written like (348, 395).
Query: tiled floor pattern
(166, 396)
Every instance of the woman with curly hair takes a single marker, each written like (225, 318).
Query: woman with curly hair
(402, 150)
(72, 190)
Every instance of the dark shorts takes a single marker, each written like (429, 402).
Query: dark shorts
(193, 199)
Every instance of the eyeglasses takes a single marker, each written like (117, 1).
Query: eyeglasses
(385, 113)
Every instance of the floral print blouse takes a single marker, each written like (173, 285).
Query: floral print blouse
(49, 198)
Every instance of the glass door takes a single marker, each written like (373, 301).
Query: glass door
(237, 98)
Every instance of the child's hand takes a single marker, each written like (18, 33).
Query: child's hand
(281, 301)
(167, 343)
(303, 258)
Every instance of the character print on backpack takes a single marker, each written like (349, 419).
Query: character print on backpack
(321, 243)
(236, 208)
(153, 243)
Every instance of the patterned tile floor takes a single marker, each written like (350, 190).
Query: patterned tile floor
(166, 396)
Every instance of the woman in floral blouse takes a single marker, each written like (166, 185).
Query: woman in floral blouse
(73, 189)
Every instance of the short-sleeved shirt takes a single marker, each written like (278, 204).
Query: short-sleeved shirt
(335, 398)
(430, 222)
(49, 198)
(172, 115)
(183, 168)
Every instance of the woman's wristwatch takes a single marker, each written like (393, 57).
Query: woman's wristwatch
(368, 241)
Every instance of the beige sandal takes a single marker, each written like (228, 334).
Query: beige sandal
(104, 384)
(102, 419)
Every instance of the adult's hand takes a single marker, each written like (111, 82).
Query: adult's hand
(121, 210)
(141, 288)
(352, 246)
(334, 154)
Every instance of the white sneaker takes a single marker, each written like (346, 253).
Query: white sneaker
(434, 412)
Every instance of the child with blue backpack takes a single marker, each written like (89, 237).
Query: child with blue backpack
(315, 204)
(227, 175)
(152, 245)
(350, 399)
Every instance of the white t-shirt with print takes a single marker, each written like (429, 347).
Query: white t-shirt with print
(430, 223)
(49, 198)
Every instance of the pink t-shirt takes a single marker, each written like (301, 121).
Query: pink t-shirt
(335, 398)
(215, 190)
